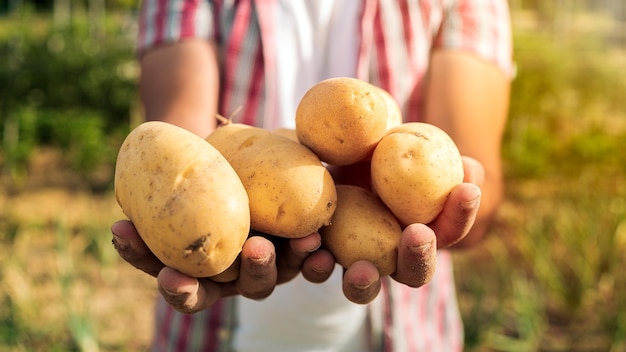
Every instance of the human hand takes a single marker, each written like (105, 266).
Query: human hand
(417, 251)
(265, 262)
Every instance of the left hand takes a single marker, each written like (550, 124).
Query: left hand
(264, 264)
(417, 251)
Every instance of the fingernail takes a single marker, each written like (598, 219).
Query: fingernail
(171, 293)
(261, 261)
(314, 249)
(364, 286)
(422, 249)
(471, 204)
(319, 270)
(119, 242)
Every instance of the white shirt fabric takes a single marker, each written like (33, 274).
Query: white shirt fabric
(316, 41)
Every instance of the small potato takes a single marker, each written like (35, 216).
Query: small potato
(362, 228)
(341, 119)
(394, 116)
(185, 200)
(414, 168)
(291, 193)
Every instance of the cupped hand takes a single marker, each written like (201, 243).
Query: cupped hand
(269, 261)
(265, 263)
(417, 251)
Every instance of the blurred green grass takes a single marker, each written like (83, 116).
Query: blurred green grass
(549, 277)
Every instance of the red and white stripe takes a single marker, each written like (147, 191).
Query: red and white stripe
(396, 40)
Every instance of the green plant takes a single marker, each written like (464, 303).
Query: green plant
(557, 257)
(66, 88)
(566, 104)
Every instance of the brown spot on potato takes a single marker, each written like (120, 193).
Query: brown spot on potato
(248, 143)
(197, 245)
(280, 212)
(421, 135)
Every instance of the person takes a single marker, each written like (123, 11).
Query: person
(446, 62)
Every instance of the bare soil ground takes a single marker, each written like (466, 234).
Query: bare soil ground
(59, 270)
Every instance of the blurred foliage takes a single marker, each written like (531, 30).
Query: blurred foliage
(7, 6)
(71, 88)
(554, 263)
(550, 279)
(567, 106)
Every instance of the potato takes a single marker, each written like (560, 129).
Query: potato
(185, 200)
(291, 193)
(394, 113)
(341, 119)
(230, 274)
(414, 168)
(362, 228)
(286, 132)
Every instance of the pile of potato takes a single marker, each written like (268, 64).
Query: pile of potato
(194, 203)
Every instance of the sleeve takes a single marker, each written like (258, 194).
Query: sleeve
(168, 21)
(482, 27)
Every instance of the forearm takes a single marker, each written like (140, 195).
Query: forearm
(179, 84)
(468, 98)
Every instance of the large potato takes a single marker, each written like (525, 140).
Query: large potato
(341, 119)
(185, 200)
(291, 193)
(414, 168)
(362, 228)
(286, 132)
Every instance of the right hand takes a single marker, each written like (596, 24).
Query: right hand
(264, 264)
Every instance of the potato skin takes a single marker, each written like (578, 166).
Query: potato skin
(414, 168)
(286, 132)
(291, 193)
(341, 119)
(394, 113)
(362, 228)
(183, 197)
(230, 274)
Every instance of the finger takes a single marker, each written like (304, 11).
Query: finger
(361, 282)
(292, 255)
(318, 266)
(187, 294)
(458, 215)
(304, 246)
(258, 274)
(133, 249)
(474, 171)
(417, 254)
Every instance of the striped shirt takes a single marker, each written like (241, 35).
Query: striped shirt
(395, 42)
